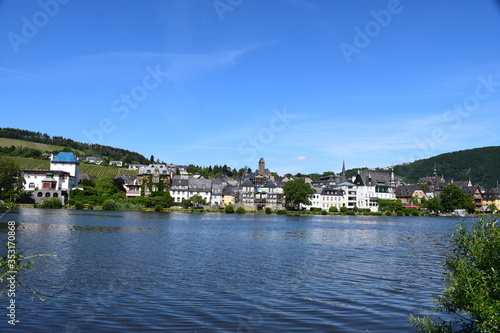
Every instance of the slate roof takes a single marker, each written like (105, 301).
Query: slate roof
(230, 190)
(200, 185)
(331, 191)
(493, 193)
(404, 191)
(372, 178)
(65, 158)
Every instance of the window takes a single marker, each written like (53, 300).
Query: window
(39, 194)
(47, 195)
(32, 185)
(55, 195)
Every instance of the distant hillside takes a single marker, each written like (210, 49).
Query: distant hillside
(91, 169)
(83, 149)
(480, 165)
(7, 143)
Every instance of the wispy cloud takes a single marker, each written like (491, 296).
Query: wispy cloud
(302, 159)
(14, 71)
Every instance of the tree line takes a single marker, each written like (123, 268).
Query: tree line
(89, 149)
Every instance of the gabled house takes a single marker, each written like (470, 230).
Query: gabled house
(153, 178)
(491, 199)
(179, 189)
(56, 182)
(258, 192)
(407, 193)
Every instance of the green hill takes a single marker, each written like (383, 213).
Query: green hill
(6, 142)
(480, 165)
(91, 169)
(30, 144)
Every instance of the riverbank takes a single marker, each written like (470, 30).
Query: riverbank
(264, 212)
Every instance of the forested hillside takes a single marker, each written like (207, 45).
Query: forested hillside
(480, 165)
(85, 148)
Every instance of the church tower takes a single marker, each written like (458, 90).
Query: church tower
(262, 166)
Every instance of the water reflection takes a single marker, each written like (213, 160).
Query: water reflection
(129, 271)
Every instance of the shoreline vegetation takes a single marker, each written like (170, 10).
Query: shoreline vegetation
(241, 210)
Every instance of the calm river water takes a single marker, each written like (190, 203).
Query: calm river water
(181, 272)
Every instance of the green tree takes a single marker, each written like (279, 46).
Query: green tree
(473, 283)
(229, 209)
(385, 205)
(433, 205)
(197, 200)
(493, 208)
(52, 203)
(110, 204)
(452, 197)
(11, 180)
(106, 185)
(297, 192)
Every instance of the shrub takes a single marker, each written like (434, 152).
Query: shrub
(110, 204)
(158, 208)
(473, 283)
(415, 213)
(388, 213)
(355, 209)
(323, 212)
(268, 210)
(333, 209)
(229, 209)
(343, 209)
(315, 209)
(281, 212)
(240, 210)
(52, 203)
(350, 213)
(79, 205)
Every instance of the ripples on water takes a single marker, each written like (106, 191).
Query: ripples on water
(132, 271)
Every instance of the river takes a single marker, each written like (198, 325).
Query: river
(209, 272)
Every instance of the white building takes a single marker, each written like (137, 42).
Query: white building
(56, 182)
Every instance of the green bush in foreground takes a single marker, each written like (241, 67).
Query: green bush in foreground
(240, 210)
(229, 209)
(473, 283)
(110, 204)
(52, 203)
(79, 205)
(268, 210)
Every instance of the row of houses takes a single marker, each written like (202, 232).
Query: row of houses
(256, 190)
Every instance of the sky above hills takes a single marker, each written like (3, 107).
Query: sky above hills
(304, 84)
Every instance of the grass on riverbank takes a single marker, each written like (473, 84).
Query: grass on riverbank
(135, 207)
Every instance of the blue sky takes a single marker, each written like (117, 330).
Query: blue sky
(304, 84)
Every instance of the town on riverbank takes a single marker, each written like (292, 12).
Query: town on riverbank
(162, 186)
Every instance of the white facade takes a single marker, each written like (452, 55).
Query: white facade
(34, 179)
